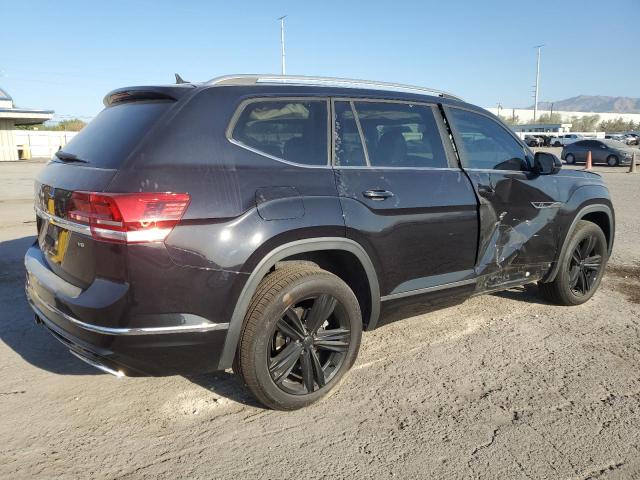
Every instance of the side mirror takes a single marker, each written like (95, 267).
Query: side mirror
(545, 163)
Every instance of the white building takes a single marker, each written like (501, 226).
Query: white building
(542, 127)
(10, 116)
(526, 115)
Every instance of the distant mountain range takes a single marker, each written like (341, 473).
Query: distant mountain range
(594, 103)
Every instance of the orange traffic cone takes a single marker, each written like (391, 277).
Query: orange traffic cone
(589, 164)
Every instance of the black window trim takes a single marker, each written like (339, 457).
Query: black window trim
(528, 154)
(241, 107)
(437, 116)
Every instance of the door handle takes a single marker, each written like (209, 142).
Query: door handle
(486, 190)
(377, 194)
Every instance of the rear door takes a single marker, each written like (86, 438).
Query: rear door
(579, 150)
(517, 207)
(402, 196)
(599, 150)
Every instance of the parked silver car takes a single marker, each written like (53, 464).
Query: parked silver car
(611, 152)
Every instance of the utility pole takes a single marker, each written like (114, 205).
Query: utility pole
(535, 104)
(283, 65)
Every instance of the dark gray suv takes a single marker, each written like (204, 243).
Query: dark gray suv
(261, 223)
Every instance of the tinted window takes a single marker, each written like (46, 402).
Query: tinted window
(110, 137)
(349, 151)
(294, 130)
(485, 143)
(582, 143)
(400, 135)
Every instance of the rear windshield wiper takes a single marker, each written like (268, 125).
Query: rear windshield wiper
(69, 157)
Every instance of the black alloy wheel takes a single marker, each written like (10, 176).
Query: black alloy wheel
(584, 266)
(308, 345)
(581, 266)
(300, 336)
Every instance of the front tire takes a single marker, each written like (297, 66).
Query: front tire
(581, 267)
(301, 335)
(612, 161)
(570, 159)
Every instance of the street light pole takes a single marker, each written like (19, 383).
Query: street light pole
(283, 65)
(535, 105)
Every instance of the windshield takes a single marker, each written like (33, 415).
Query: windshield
(113, 134)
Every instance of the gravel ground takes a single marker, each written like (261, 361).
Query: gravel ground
(501, 386)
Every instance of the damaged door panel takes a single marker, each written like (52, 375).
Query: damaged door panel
(517, 207)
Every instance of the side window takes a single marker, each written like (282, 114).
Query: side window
(348, 146)
(485, 143)
(400, 135)
(293, 130)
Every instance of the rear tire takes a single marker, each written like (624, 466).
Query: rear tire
(581, 267)
(570, 159)
(301, 334)
(613, 161)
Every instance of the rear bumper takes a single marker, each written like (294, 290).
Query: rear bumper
(192, 346)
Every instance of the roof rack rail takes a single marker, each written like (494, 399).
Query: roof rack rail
(249, 79)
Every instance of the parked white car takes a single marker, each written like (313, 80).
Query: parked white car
(567, 139)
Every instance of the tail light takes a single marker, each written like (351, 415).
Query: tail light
(128, 217)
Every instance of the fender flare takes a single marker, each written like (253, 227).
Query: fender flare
(598, 207)
(278, 254)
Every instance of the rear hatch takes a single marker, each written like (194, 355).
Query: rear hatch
(86, 165)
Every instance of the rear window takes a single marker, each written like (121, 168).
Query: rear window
(110, 137)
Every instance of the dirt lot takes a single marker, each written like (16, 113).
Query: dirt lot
(502, 386)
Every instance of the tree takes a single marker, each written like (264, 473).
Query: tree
(549, 118)
(586, 123)
(510, 119)
(71, 125)
(618, 125)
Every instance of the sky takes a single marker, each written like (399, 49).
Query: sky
(66, 55)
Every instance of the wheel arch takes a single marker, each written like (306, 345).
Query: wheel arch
(318, 250)
(600, 214)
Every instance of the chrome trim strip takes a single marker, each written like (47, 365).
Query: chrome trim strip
(541, 205)
(494, 170)
(205, 327)
(99, 366)
(435, 288)
(249, 79)
(66, 224)
(388, 168)
(273, 157)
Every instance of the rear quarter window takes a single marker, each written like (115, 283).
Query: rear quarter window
(111, 136)
(293, 130)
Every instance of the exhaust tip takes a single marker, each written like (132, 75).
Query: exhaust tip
(96, 364)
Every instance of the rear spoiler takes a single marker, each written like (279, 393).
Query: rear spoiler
(133, 94)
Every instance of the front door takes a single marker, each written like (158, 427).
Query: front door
(518, 208)
(402, 196)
